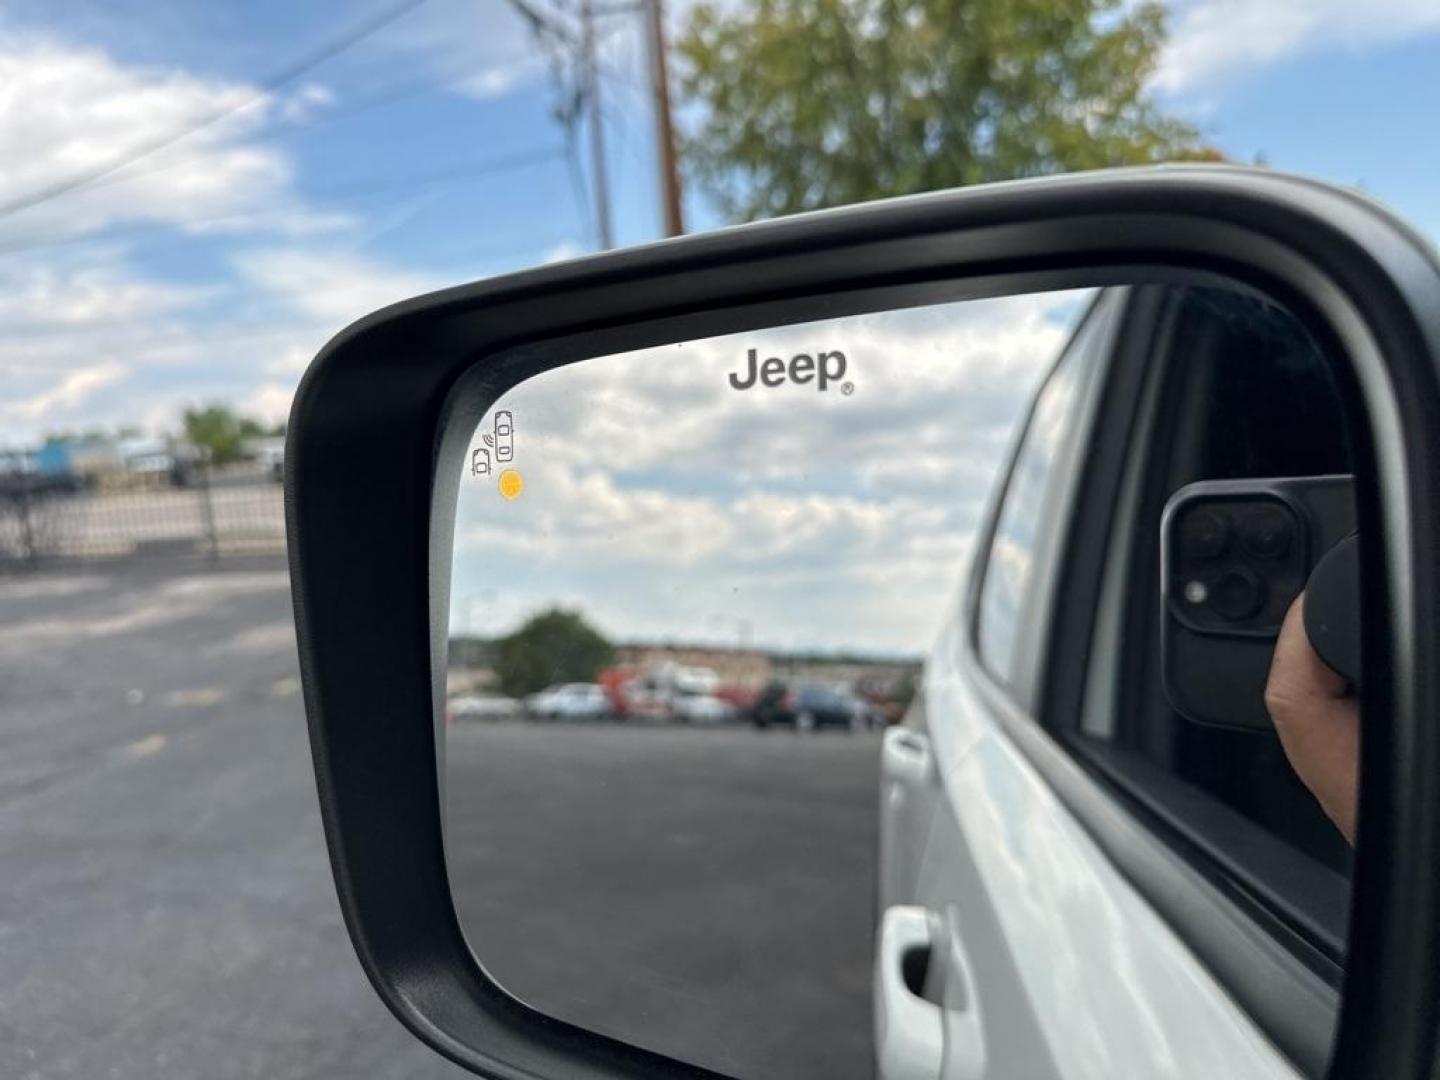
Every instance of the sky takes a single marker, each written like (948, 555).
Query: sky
(425, 154)
(667, 502)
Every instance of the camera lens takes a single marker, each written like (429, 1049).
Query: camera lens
(1204, 534)
(1237, 595)
(1266, 533)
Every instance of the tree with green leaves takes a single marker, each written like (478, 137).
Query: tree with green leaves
(814, 103)
(552, 647)
(222, 432)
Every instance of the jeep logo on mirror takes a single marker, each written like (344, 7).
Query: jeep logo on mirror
(822, 369)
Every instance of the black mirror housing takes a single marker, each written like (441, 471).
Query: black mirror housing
(370, 490)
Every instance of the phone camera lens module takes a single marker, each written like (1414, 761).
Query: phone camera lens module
(1204, 534)
(1237, 595)
(1266, 533)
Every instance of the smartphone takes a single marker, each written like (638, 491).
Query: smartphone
(1234, 554)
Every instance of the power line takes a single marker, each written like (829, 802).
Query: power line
(543, 24)
(328, 51)
(573, 65)
(462, 172)
(560, 43)
(577, 182)
(580, 92)
(397, 91)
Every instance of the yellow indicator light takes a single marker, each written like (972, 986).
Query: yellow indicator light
(511, 484)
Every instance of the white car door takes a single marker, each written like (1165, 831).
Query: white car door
(1010, 943)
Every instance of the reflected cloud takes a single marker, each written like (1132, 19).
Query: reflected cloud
(830, 518)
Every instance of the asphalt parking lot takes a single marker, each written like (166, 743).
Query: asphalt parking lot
(706, 892)
(167, 908)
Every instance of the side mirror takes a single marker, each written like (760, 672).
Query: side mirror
(1075, 866)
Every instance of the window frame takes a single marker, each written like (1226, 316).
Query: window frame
(1278, 977)
(1022, 674)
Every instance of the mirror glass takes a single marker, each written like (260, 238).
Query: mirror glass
(719, 772)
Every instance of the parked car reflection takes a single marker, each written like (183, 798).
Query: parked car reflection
(572, 701)
(813, 705)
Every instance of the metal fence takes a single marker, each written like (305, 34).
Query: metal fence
(229, 511)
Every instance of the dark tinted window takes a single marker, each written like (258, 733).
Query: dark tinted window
(1260, 402)
(1241, 392)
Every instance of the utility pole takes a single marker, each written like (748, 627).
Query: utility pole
(591, 89)
(664, 131)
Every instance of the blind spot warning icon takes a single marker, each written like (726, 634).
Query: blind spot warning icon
(504, 438)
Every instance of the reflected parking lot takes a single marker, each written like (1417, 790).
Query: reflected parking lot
(716, 881)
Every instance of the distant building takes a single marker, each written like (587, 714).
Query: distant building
(88, 458)
(749, 669)
(843, 672)
(742, 668)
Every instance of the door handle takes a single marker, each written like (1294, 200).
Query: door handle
(905, 756)
(906, 791)
(909, 1031)
(965, 1057)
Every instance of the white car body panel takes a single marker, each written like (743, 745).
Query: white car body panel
(1072, 973)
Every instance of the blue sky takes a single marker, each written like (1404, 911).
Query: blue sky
(426, 155)
(214, 268)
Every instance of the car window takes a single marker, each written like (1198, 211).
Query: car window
(1240, 393)
(1024, 540)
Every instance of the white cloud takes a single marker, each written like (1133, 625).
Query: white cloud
(328, 286)
(480, 51)
(662, 502)
(1211, 40)
(71, 390)
(305, 101)
(270, 402)
(66, 111)
(587, 512)
(804, 569)
(76, 315)
(291, 361)
(179, 344)
(563, 252)
(49, 297)
(904, 365)
(74, 330)
(497, 81)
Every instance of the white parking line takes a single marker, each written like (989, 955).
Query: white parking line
(199, 697)
(286, 687)
(150, 744)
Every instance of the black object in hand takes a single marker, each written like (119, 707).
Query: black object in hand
(1234, 555)
(1332, 608)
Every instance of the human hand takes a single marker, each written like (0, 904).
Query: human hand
(1318, 724)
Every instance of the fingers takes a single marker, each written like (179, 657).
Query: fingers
(1318, 725)
(1297, 672)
